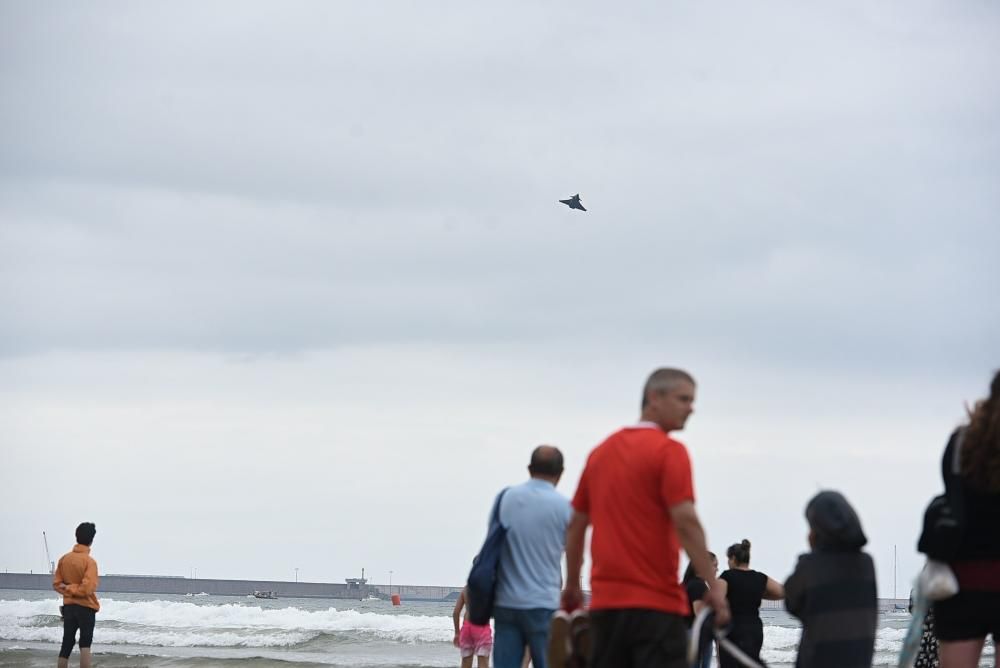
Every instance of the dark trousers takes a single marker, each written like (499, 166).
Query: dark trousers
(747, 633)
(638, 638)
(77, 617)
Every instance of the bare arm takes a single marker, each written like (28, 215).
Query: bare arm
(692, 537)
(576, 534)
(457, 613)
(774, 591)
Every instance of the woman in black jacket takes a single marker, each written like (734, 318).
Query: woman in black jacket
(963, 621)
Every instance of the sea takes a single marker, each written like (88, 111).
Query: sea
(175, 630)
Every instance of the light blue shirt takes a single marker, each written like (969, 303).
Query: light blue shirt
(530, 573)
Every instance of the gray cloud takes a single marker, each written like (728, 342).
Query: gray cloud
(776, 192)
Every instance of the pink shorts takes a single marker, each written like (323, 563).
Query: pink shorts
(475, 640)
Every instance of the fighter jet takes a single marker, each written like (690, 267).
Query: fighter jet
(573, 202)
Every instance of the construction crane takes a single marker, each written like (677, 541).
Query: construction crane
(48, 558)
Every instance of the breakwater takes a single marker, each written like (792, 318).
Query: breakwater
(143, 584)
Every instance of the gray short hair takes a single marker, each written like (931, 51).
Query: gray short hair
(664, 380)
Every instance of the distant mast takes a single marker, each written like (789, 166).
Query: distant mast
(894, 560)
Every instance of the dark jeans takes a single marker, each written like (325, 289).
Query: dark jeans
(706, 658)
(516, 629)
(77, 617)
(638, 638)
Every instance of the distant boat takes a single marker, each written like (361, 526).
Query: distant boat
(265, 594)
(371, 597)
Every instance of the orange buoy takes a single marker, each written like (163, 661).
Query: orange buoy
(395, 600)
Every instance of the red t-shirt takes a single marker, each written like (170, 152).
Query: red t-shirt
(629, 483)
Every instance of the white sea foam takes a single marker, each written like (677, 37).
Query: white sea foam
(183, 624)
(180, 624)
(781, 643)
(160, 638)
(889, 640)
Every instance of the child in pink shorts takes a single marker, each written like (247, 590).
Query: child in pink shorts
(473, 640)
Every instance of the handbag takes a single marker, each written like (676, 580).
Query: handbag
(480, 589)
(944, 519)
(937, 581)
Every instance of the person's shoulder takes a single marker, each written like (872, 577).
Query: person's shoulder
(673, 442)
(696, 587)
(673, 451)
(656, 439)
(807, 558)
(610, 440)
(804, 563)
(609, 443)
(550, 494)
(864, 561)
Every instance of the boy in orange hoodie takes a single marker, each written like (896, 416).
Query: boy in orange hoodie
(76, 579)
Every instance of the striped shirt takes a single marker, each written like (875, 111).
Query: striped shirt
(834, 595)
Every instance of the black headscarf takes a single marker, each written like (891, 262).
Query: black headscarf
(834, 523)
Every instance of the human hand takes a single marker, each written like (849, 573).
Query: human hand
(455, 640)
(572, 597)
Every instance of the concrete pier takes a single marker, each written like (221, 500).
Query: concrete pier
(141, 584)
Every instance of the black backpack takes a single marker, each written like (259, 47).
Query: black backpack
(944, 519)
(480, 590)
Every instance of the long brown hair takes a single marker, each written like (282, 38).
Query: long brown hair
(981, 447)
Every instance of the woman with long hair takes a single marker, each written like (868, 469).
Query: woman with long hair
(963, 621)
(745, 588)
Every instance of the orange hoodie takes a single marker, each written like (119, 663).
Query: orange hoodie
(78, 571)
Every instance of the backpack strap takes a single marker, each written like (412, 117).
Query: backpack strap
(953, 477)
(495, 517)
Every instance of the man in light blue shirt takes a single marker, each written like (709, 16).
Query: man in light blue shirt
(529, 576)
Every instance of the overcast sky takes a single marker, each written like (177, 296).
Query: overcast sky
(288, 284)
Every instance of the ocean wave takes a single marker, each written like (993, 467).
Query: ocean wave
(182, 624)
(163, 638)
(781, 642)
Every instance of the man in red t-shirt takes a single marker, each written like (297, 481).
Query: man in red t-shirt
(636, 492)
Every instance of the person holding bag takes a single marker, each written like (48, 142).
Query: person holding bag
(962, 528)
(517, 575)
